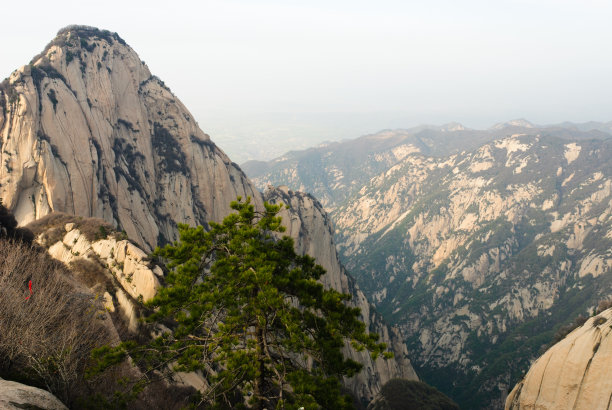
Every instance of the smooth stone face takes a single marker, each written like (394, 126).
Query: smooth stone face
(17, 396)
(573, 374)
(113, 143)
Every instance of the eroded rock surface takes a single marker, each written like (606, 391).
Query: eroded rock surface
(573, 374)
(86, 129)
(125, 275)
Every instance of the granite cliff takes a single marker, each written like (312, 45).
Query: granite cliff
(307, 222)
(87, 130)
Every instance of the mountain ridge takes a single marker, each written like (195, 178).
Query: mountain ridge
(479, 255)
(338, 170)
(86, 129)
(89, 117)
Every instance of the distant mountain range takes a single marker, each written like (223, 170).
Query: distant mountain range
(265, 136)
(478, 244)
(334, 171)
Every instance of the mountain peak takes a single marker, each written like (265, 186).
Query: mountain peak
(77, 39)
(88, 130)
(520, 122)
(452, 126)
(90, 32)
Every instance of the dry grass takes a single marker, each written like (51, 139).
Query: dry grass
(92, 274)
(46, 339)
(52, 227)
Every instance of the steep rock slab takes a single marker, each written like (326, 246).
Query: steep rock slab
(310, 227)
(114, 269)
(573, 374)
(86, 129)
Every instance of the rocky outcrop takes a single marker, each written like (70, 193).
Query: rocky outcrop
(125, 260)
(86, 129)
(573, 374)
(17, 396)
(123, 268)
(310, 227)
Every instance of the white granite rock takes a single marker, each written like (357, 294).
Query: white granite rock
(17, 396)
(573, 374)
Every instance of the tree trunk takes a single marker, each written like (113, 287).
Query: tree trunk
(260, 380)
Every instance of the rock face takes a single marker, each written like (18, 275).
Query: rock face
(125, 275)
(16, 396)
(477, 256)
(126, 261)
(573, 374)
(310, 227)
(87, 130)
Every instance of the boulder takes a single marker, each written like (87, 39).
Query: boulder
(17, 396)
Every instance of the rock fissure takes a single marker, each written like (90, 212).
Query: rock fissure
(586, 370)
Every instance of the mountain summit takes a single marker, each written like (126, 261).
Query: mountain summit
(86, 129)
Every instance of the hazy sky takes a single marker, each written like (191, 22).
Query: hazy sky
(314, 70)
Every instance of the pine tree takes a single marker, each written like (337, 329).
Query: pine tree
(251, 315)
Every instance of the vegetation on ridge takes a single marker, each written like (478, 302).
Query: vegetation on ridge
(250, 314)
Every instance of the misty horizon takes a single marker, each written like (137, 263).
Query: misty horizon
(303, 74)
